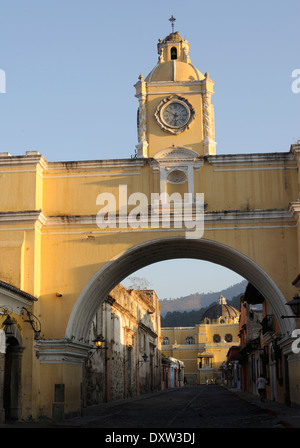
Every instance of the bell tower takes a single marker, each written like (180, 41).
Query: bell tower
(175, 109)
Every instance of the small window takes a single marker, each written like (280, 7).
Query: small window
(177, 177)
(190, 340)
(173, 53)
(228, 337)
(165, 341)
(217, 338)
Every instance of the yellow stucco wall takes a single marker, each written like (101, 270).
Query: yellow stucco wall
(59, 249)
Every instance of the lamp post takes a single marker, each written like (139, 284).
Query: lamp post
(295, 307)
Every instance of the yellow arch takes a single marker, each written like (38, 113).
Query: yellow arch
(153, 251)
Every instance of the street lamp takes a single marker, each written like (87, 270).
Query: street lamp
(295, 307)
(145, 357)
(7, 324)
(99, 341)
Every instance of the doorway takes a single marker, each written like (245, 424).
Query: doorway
(12, 380)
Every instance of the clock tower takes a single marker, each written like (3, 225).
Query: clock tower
(175, 111)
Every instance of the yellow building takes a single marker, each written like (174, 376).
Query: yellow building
(70, 232)
(203, 348)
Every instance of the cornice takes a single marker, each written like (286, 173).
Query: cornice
(295, 207)
(147, 330)
(251, 159)
(39, 219)
(295, 150)
(176, 83)
(61, 351)
(96, 164)
(14, 299)
(258, 215)
(20, 216)
(35, 159)
(23, 161)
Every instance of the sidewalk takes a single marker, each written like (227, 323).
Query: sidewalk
(287, 416)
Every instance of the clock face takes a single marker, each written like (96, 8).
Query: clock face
(175, 114)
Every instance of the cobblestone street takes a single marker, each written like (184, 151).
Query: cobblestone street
(185, 408)
(189, 407)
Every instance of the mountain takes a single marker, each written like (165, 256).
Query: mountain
(191, 318)
(197, 301)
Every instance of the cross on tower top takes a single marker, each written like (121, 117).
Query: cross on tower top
(172, 20)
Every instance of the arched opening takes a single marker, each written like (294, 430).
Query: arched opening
(173, 53)
(135, 354)
(150, 252)
(12, 379)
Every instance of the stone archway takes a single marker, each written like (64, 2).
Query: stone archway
(153, 251)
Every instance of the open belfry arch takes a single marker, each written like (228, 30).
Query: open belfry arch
(53, 248)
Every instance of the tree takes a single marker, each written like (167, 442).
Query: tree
(138, 283)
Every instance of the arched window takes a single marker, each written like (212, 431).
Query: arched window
(165, 341)
(190, 340)
(173, 53)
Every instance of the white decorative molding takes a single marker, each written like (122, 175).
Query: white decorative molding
(61, 351)
(13, 299)
(24, 217)
(177, 176)
(295, 207)
(257, 218)
(173, 99)
(178, 158)
(176, 152)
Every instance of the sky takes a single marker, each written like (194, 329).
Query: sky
(70, 68)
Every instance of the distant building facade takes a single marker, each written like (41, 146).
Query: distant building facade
(172, 373)
(260, 352)
(203, 348)
(129, 361)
